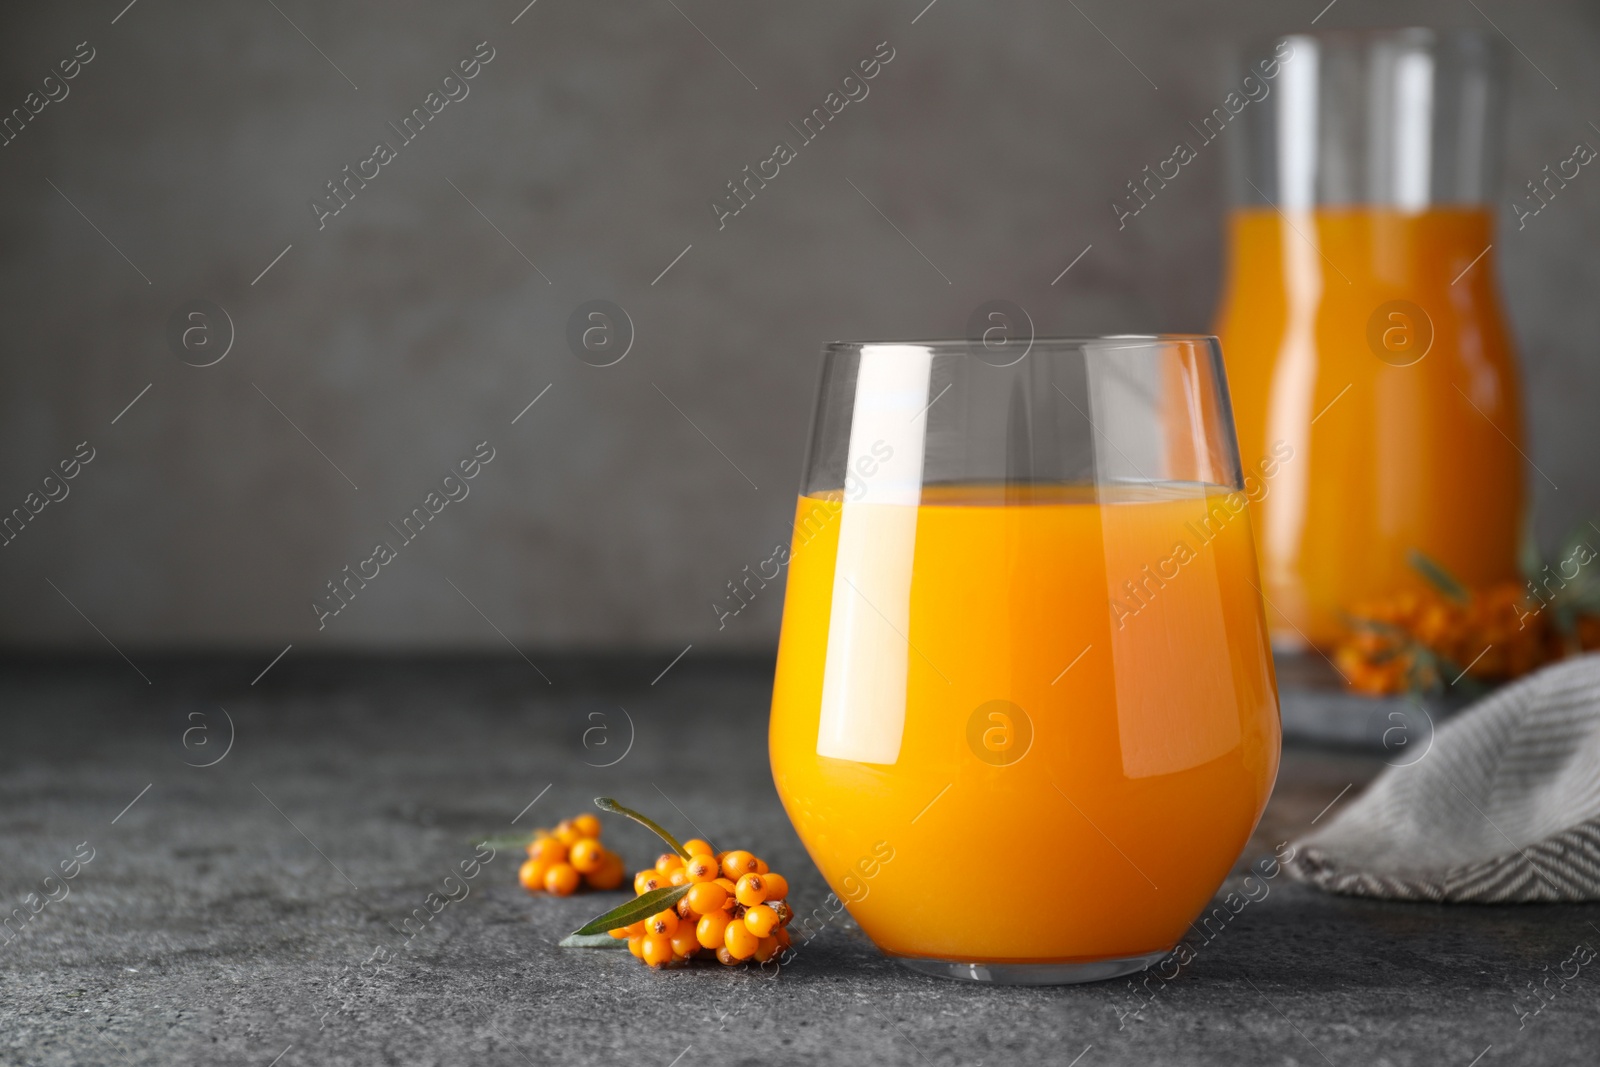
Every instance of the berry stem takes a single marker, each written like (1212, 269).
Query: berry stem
(607, 804)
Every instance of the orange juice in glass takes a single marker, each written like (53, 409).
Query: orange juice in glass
(1022, 629)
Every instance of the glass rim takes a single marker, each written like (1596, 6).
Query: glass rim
(964, 344)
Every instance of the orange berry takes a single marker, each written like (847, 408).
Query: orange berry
(610, 874)
(588, 825)
(752, 890)
(636, 945)
(561, 879)
(727, 958)
(636, 929)
(712, 928)
(567, 833)
(587, 855)
(737, 864)
(706, 897)
(662, 922)
(677, 876)
(761, 865)
(766, 948)
(740, 942)
(620, 933)
(777, 885)
(684, 942)
(761, 920)
(668, 862)
(645, 881)
(531, 875)
(657, 950)
(696, 846)
(783, 937)
(701, 868)
(549, 849)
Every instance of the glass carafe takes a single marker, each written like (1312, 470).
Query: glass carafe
(1374, 385)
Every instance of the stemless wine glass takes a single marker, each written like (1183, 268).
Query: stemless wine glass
(1022, 636)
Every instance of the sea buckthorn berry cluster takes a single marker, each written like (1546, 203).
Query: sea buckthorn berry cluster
(734, 910)
(1419, 639)
(560, 860)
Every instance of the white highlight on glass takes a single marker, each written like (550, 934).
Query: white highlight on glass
(1298, 128)
(869, 653)
(1413, 126)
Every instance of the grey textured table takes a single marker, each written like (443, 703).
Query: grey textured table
(251, 912)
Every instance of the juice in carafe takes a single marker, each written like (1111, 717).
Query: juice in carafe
(1367, 343)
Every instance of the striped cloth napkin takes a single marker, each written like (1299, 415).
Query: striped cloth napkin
(1504, 808)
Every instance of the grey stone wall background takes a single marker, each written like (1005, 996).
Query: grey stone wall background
(379, 350)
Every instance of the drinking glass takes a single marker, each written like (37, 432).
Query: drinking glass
(1024, 716)
(1361, 319)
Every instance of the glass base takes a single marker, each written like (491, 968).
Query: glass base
(1033, 973)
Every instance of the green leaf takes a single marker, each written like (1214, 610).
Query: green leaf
(638, 908)
(503, 841)
(1383, 629)
(607, 804)
(1438, 577)
(1530, 561)
(1424, 679)
(592, 941)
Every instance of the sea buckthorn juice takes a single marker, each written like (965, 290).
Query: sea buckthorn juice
(1362, 326)
(1411, 453)
(1024, 725)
